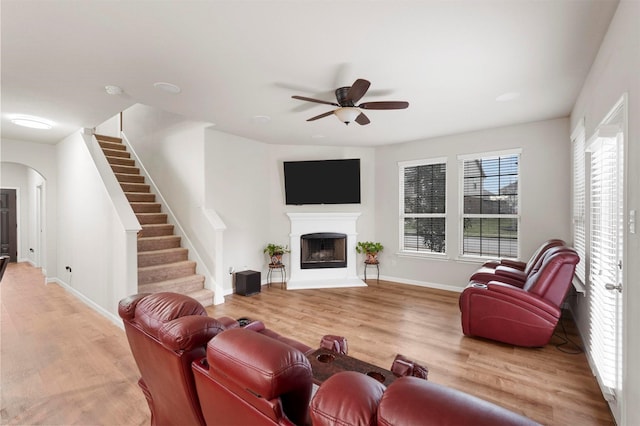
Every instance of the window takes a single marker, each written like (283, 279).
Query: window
(423, 187)
(490, 204)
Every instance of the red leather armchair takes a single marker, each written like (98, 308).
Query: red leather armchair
(166, 333)
(351, 398)
(248, 378)
(520, 315)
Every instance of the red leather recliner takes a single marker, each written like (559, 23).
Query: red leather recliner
(524, 316)
(351, 398)
(166, 333)
(251, 379)
(513, 271)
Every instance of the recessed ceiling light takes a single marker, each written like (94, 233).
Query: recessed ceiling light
(317, 137)
(32, 122)
(113, 90)
(167, 87)
(509, 96)
(261, 119)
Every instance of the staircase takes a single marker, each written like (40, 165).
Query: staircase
(163, 265)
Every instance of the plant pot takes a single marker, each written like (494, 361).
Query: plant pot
(276, 259)
(371, 258)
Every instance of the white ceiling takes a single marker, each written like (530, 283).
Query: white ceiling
(238, 59)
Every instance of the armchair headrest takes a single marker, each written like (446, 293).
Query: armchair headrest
(260, 364)
(349, 396)
(151, 312)
(552, 280)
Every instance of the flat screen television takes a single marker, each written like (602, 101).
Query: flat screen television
(322, 182)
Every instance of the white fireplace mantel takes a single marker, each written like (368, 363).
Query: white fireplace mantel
(309, 223)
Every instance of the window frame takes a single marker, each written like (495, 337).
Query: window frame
(402, 165)
(462, 215)
(579, 202)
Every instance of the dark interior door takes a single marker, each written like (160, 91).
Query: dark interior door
(8, 224)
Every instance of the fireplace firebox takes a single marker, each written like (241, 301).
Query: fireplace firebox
(323, 250)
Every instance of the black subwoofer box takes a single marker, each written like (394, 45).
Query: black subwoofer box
(247, 283)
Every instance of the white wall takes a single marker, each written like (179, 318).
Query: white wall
(41, 159)
(544, 188)
(91, 237)
(238, 190)
(615, 71)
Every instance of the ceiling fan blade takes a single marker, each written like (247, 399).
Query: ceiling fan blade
(357, 90)
(384, 105)
(304, 98)
(320, 116)
(362, 119)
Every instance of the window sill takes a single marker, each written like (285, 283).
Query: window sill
(579, 286)
(426, 256)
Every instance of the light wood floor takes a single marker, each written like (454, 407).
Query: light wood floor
(64, 364)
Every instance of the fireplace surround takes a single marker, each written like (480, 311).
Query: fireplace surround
(336, 272)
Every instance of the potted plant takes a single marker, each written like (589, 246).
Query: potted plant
(370, 249)
(275, 252)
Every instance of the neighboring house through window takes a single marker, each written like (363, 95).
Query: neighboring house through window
(490, 200)
(423, 206)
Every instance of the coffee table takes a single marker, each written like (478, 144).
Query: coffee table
(325, 363)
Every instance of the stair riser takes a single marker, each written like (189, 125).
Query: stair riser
(135, 187)
(153, 258)
(166, 272)
(186, 286)
(147, 218)
(146, 207)
(125, 178)
(125, 169)
(113, 146)
(135, 197)
(116, 153)
(204, 299)
(105, 138)
(158, 243)
(121, 161)
(155, 231)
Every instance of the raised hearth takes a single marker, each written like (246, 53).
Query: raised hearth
(303, 273)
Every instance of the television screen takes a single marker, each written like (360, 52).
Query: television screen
(322, 182)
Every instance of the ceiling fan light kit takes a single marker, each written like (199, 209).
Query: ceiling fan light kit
(347, 98)
(347, 114)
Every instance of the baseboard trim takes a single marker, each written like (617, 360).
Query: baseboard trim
(427, 284)
(99, 309)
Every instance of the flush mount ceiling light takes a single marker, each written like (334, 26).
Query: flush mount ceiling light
(509, 96)
(167, 87)
(347, 114)
(32, 122)
(113, 90)
(261, 119)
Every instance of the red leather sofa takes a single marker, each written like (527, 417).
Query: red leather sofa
(522, 314)
(198, 370)
(513, 271)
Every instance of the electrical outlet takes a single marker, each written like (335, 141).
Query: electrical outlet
(68, 268)
(231, 270)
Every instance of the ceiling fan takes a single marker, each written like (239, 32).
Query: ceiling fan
(347, 98)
